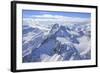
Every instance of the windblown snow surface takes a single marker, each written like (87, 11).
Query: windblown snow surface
(55, 42)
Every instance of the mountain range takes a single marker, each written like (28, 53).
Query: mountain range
(60, 44)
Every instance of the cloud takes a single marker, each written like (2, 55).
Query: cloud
(49, 17)
(44, 16)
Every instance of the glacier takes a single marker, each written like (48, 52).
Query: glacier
(56, 43)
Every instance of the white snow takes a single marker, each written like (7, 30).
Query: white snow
(84, 46)
(27, 52)
(73, 32)
(31, 36)
(55, 57)
(63, 40)
(44, 57)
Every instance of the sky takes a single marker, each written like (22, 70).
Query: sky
(34, 13)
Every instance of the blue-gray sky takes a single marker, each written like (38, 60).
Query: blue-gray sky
(29, 13)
